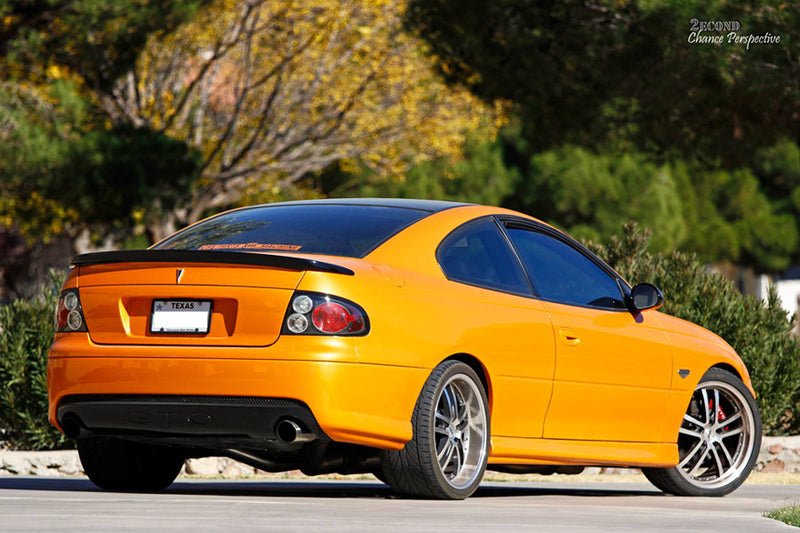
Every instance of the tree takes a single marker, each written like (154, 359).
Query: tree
(59, 153)
(583, 72)
(480, 177)
(593, 195)
(612, 78)
(63, 171)
(719, 215)
(269, 92)
(96, 40)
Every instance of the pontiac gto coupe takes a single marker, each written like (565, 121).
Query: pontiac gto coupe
(416, 340)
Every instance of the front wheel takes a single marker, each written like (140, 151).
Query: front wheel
(447, 455)
(718, 441)
(122, 465)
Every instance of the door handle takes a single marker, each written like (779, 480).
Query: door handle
(569, 336)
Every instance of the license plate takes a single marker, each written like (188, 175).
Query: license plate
(192, 317)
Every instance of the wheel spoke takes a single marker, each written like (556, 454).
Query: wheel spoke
(727, 454)
(440, 416)
(446, 455)
(716, 406)
(450, 399)
(690, 432)
(691, 453)
(706, 408)
(440, 431)
(731, 419)
(731, 433)
(692, 420)
(474, 426)
(459, 456)
(720, 468)
(465, 407)
(699, 462)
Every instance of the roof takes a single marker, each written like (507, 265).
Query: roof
(430, 206)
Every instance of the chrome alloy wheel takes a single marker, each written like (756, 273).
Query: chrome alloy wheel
(716, 439)
(460, 435)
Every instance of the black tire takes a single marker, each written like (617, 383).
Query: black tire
(459, 434)
(121, 465)
(379, 475)
(719, 440)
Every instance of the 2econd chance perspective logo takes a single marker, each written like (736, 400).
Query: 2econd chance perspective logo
(726, 32)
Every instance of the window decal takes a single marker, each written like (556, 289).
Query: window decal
(251, 246)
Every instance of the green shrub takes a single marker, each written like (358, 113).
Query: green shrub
(758, 331)
(26, 332)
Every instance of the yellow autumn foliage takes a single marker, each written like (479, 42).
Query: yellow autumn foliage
(269, 91)
(35, 217)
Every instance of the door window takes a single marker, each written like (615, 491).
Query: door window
(563, 274)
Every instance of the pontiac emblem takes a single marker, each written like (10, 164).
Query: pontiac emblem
(178, 275)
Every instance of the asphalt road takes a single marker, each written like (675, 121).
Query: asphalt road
(73, 504)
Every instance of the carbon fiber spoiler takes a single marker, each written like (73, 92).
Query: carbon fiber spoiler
(208, 256)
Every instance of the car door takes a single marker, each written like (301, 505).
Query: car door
(613, 366)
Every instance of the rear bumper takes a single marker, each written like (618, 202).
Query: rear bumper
(350, 402)
(210, 418)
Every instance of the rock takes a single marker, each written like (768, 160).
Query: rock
(15, 463)
(70, 469)
(790, 459)
(70, 465)
(238, 470)
(206, 466)
(774, 467)
(51, 463)
(775, 449)
(619, 471)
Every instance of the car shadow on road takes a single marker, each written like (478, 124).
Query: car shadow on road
(331, 488)
(594, 490)
(70, 484)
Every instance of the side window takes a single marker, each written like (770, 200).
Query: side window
(478, 254)
(563, 274)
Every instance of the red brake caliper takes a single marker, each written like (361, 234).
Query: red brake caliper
(720, 414)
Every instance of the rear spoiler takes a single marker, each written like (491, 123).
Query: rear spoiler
(207, 256)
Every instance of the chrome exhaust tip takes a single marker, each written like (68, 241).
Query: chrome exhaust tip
(289, 431)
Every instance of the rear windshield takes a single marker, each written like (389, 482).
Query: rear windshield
(326, 229)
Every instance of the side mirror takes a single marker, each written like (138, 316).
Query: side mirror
(646, 296)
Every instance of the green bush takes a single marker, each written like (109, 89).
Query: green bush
(758, 331)
(26, 332)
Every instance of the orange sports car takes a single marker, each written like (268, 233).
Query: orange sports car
(416, 340)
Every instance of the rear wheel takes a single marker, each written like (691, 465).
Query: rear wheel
(114, 464)
(718, 441)
(447, 455)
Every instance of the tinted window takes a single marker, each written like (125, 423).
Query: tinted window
(479, 254)
(344, 230)
(563, 274)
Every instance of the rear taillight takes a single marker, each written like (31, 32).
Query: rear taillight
(69, 314)
(313, 313)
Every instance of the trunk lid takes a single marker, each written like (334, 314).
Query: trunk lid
(248, 302)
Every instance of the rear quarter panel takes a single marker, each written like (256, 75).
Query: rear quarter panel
(418, 318)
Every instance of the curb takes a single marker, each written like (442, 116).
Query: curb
(777, 455)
